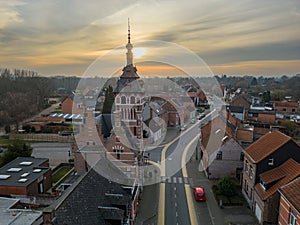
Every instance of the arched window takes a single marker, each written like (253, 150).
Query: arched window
(118, 100)
(132, 100)
(123, 100)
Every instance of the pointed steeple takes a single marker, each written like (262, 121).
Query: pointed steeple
(129, 47)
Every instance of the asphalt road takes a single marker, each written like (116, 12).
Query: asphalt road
(176, 206)
(56, 152)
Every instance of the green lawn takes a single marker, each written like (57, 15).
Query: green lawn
(4, 140)
(60, 173)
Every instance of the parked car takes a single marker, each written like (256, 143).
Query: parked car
(199, 194)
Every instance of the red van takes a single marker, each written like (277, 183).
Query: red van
(199, 194)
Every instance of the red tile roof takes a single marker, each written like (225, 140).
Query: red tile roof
(291, 191)
(266, 145)
(281, 175)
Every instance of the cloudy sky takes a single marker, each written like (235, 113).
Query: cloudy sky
(234, 37)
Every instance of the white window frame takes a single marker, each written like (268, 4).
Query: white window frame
(292, 219)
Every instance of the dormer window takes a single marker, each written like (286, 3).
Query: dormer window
(271, 162)
(262, 184)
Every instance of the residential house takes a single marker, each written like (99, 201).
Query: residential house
(227, 160)
(72, 105)
(241, 101)
(95, 199)
(266, 195)
(12, 214)
(25, 176)
(267, 153)
(261, 116)
(220, 154)
(244, 134)
(286, 106)
(289, 209)
(237, 111)
(155, 120)
(175, 112)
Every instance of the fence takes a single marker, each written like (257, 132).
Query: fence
(42, 137)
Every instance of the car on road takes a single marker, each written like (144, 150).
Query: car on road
(182, 127)
(200, 116)
(199, 194)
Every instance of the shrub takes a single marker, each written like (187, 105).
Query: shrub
(226, 187)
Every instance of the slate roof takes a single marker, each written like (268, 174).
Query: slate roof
(270, 112)
(128, 81)
(93, 199)
(291, 192)
(236, 109)
(153, 126)
(74, 98)
(266, 145)
(278, 177)
(157, 108)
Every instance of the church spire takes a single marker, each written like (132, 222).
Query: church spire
(129, 47)
(128, 31)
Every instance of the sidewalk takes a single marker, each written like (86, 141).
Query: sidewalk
(147, 210)
(234, 214)
(148, 205)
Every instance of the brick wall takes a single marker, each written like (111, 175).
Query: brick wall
(12, 190)
(67, 105)
(244, 135)
(251, 182)
(284, 212)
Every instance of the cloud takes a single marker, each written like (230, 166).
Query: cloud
(8, 13)
(220, 31)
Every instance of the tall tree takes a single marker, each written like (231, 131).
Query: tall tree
(18, 148)
(109, 100)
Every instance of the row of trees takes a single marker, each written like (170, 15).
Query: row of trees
(22, 94)
(278, 87)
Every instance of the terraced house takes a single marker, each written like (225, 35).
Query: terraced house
(267, 153)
